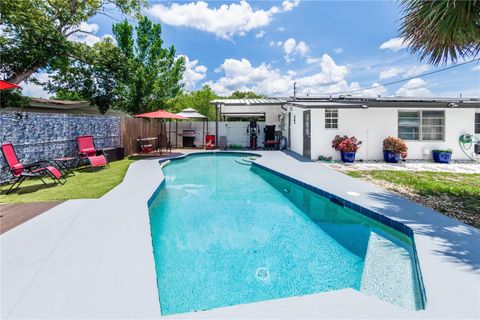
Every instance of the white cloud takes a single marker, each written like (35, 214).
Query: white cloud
(289, 5)
(338, 50)
(314, 60)
(87, 38)
(281, 29)
(375, 91)
(414, 88)
(390, 73)
(416, 70)
(241, 75)
(476, 68)
(405, 72)
(225, 21)
(193, 73)
(394, 44)
(291, 48)
(260, 34)
(33, 90)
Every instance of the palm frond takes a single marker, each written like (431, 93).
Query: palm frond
(443, 30)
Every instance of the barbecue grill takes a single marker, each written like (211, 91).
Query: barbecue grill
(188, 138)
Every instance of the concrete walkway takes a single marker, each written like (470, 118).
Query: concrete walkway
(93, 258)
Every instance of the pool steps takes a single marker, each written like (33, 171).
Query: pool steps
(246, 160)
(164, 164)
(384, 278)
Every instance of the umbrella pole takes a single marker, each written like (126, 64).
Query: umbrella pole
(169, 135)
(203, 135)
(176, 133)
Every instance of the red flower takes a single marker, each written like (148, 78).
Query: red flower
(346, 144)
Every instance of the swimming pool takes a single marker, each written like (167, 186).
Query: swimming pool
(225, 233)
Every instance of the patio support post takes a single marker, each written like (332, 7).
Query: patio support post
(176, 134)
(216, 125)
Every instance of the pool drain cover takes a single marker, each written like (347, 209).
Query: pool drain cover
(262, 274)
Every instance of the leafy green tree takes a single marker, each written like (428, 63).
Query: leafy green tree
(136, 75)
(153, 74)
(13, 99)
(35, 32)
(198, 100)
(95, 78)
(245, 95)
(442, 30)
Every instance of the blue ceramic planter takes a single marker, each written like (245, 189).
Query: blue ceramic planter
(442, 157)
(348, 157)
(391, 157)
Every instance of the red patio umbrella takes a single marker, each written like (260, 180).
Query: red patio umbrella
(160, 114)
(4, 85)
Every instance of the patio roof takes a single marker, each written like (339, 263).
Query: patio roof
(191, 113)
(241, 102)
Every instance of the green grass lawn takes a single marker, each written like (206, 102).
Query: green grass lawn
(455, 194)
(84, 185)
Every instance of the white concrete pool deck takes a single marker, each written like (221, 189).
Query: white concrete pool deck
(93, 258)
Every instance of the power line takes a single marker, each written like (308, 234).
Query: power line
(407, 79)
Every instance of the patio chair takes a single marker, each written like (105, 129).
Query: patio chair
(88, 154)
(20, 172)
(270, 143)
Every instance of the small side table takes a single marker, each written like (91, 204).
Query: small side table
(65, 164)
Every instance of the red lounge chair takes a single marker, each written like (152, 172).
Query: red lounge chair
(20, 172)
(88, 153)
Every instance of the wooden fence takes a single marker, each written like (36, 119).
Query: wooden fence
(132, 128)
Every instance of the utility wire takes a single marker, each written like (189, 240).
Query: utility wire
(407, 79)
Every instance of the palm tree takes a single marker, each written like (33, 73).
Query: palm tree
(442, 30)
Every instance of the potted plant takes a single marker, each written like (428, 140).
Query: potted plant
(393, 149)
(347, 146)
(442, 156)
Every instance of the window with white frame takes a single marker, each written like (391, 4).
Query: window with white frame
(477, 122)
(331, 118)
(425, 125)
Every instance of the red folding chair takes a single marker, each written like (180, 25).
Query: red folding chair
(89, 154)
(20, 172)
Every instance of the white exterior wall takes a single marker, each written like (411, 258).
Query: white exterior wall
(478, 134)
(235, 131)
(272, 112)
(373, 125)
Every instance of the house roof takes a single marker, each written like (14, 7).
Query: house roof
(388, 102)
(242, 102)
(327, 104)
(355, 102)
(58, 104)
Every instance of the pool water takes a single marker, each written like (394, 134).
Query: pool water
(225, 234)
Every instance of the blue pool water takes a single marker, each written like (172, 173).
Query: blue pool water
(225, 234)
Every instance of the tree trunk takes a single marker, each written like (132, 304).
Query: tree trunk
(22, 75)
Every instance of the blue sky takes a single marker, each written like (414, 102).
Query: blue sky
(324, 46)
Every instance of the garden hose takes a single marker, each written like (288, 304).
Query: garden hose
(467, 141)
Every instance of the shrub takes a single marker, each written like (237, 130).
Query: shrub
(395, 145)
(346, 144)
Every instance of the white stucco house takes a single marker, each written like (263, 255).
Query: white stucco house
(310, 124)
(424, 124)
